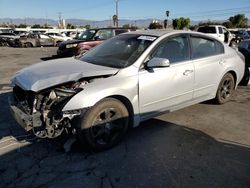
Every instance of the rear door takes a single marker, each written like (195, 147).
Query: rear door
(208, 58)
(46, 40)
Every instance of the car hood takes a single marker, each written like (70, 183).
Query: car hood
(75, 41)
(51, 73)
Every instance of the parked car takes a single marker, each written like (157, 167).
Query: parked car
(36, 40)
(244, 48)
(87, 40)
(9, 35)
(112, 87)
(71, 34)
(58, 36)
(9, 39)
(240, 35)
(220, 32)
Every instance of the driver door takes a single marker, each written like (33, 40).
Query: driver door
(162, 89)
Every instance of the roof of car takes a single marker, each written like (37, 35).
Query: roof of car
(159, 32)
(116, 28)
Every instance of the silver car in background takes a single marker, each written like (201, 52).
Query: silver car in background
(127, 79)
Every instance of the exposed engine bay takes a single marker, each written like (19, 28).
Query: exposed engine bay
(42, 112)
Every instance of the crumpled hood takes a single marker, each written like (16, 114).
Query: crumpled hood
(50, 73)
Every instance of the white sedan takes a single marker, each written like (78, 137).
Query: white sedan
(123, 81)
(58, 36)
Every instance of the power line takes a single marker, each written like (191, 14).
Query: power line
(220, 14)
(211, 11)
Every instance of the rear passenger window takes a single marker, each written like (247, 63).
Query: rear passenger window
(203, 47)
(219, 48)
(220, 30)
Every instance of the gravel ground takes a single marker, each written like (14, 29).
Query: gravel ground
(204, 145)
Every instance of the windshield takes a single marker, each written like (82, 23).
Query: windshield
(120, 51)
(87, 35)
(207, 29)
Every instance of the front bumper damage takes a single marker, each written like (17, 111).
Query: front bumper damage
(22, 118)
(42, 113)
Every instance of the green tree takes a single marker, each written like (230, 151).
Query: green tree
(70, 26)
(115, 20)
(22, 26)
(227, 24)
(46, 26)
(239, 21)
(126, 26)
(37, 26)
(209, 23)
(87, 26)
(181, 23)
(155, 25)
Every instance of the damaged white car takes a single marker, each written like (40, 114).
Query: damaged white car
(125, 80)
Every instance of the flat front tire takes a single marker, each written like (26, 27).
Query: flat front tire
(225, 89)
(104, 125)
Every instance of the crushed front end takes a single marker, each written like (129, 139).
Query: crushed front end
(42, 113)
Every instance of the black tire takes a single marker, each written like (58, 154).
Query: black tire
(233, 44)
(225, 89)
(28, 45)
(58, 43)
(104, 125)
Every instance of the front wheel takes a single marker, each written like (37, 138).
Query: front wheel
(225, 89)
(104, 125)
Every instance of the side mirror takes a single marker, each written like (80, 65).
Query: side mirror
(158, 62)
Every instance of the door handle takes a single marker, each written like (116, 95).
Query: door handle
(187, 72)
(221, 62)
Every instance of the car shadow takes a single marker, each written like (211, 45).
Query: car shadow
(155, 154)
(50, 57)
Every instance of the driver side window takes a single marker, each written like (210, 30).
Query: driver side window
(175, 49)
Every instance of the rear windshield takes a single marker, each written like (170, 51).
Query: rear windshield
(207, 29)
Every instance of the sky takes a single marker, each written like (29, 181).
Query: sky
(127, 9)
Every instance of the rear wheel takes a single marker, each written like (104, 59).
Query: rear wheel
(225, 89)
(233, 44)
(28, 45)
(58, 43)
(104, 125)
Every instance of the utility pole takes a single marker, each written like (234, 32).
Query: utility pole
(60, 19)
(46, 19)
(116, 12)
(110, 21)
(166, 20)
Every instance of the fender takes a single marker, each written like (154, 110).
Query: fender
(98, 90)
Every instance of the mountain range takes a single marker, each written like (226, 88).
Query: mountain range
(73, 21)
(82, 22)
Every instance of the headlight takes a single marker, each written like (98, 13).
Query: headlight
(71, 45)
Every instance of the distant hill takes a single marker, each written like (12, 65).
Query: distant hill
(77, 22)
(83, 22)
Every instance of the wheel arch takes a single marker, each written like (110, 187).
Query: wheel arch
(235, 77)
(125, 101)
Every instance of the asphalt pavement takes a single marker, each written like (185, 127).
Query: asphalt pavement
(205, 145)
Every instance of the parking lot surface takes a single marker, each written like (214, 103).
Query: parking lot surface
(205, 145)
